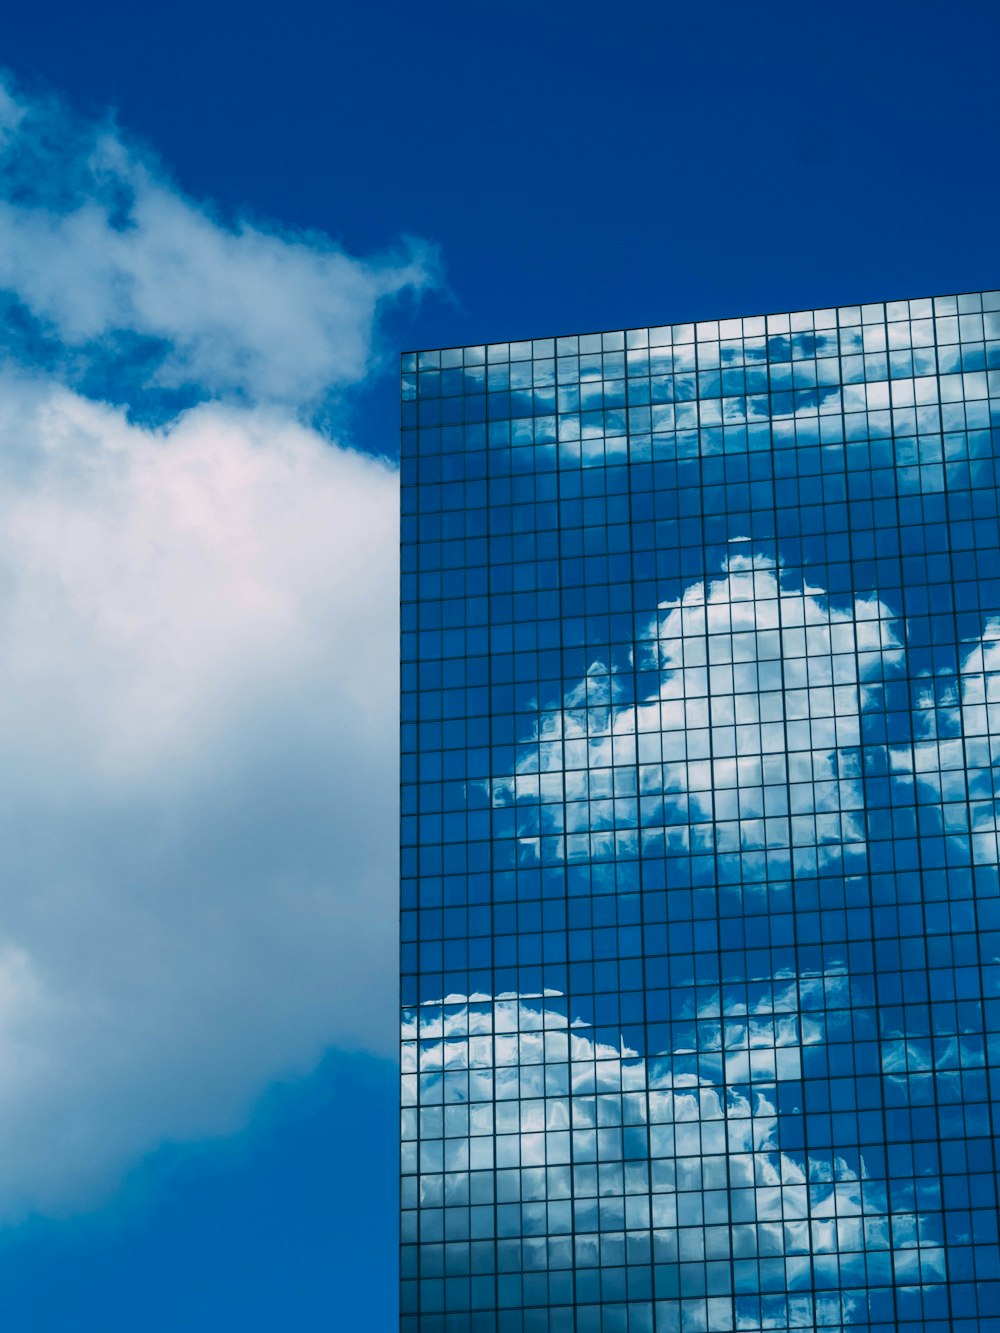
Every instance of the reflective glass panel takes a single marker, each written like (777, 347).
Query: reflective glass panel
(700, 781)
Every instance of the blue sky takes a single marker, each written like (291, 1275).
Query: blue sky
(489, 174)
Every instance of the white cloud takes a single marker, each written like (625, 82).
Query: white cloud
(98, 246)
(978, 750)
(513, 1086)
(751, 741)
(954, 752)
(197, 808)
(198, 649)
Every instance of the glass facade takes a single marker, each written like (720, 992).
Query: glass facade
(700, 901)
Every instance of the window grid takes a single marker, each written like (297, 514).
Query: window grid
(700, 910)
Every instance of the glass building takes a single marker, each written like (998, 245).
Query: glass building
(700, 901)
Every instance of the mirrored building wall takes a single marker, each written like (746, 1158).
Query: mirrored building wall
(700, 901)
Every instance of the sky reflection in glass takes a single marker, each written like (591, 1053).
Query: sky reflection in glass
(701, 925)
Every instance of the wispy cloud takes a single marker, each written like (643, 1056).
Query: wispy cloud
(198, 665)
(111, 261)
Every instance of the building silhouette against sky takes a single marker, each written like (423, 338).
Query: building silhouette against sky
(700, 900)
